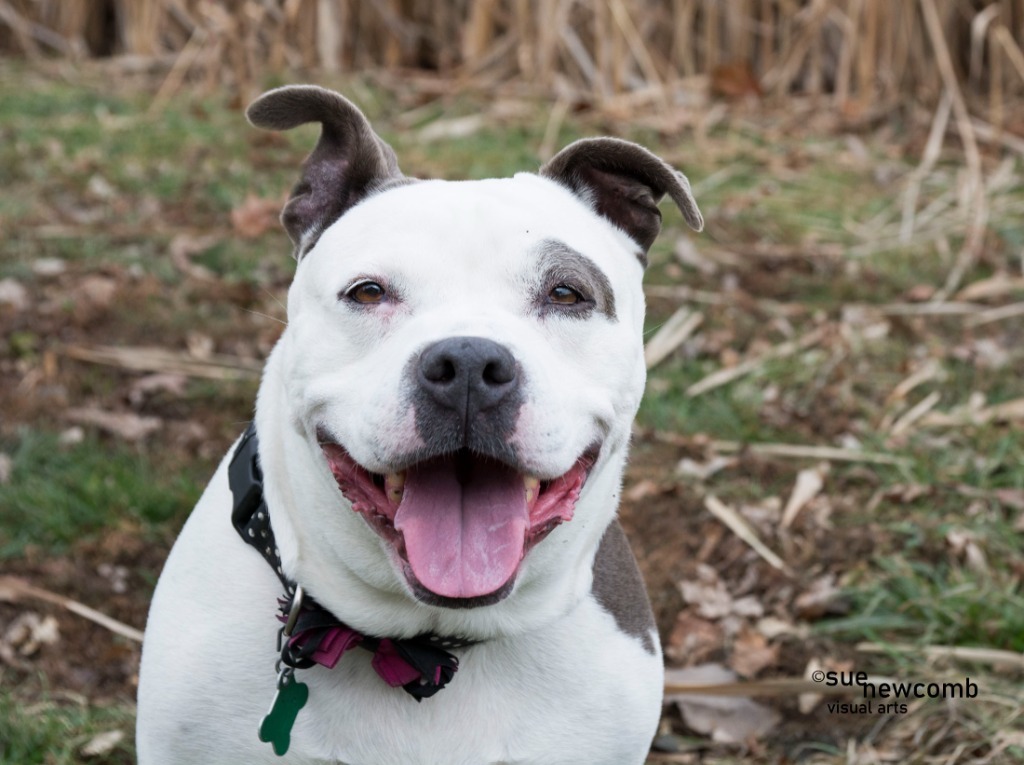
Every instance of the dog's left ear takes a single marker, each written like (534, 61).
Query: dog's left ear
(624, 183)
(349, 162)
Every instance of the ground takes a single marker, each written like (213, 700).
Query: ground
(827, 470)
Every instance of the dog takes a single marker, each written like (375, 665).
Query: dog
(412, 557)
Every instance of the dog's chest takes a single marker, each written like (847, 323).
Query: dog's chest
(507, 704)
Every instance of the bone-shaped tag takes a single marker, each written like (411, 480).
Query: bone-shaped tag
(276, 727)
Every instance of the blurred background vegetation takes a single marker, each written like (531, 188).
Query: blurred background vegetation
(828, 467)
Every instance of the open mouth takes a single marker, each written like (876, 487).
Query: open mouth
(459, 523)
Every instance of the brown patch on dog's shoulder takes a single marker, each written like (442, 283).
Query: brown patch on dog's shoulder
(619, 588)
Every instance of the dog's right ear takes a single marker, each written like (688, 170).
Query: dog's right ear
(348, 164)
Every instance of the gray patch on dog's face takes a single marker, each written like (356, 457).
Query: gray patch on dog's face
(619, 588)
(564, 265)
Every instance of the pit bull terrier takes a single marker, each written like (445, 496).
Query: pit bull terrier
(412, 556)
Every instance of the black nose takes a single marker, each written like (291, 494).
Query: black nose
(467, 374)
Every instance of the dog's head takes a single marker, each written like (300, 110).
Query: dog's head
(464, 359)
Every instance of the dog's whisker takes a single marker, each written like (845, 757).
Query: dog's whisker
(273, 297)
(266, 316)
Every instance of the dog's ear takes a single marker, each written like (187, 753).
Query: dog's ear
(348, 164)
(624, 183)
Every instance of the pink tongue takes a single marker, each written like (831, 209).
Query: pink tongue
(463, 540)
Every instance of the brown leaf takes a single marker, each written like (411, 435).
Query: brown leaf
(158, 382)
(751, 653)
(735, 80)
(94, 294)
(711, 598)
(821, 598)
(693, 639)
(255, 216)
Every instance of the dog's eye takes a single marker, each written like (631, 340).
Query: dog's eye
(563, 295)
(366, 292)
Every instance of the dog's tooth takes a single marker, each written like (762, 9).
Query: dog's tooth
(394, 487)
(532, 488)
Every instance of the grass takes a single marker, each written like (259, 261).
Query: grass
(54, 732)
(186, 168)
(56, 494)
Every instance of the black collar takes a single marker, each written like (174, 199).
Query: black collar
(312, 634)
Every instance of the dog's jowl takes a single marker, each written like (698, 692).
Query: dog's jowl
(411, 557)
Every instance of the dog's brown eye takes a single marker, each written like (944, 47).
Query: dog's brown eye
(562, 295)
(366, 292)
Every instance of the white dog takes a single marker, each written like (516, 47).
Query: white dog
(412, 557)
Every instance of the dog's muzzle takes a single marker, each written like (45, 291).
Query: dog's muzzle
(461, 512)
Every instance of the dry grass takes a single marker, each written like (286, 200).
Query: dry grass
(860, 56)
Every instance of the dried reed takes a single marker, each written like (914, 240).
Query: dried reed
(857, 56)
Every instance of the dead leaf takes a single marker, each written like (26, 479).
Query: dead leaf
(6, 467)
(183, 247)
(711, 598)
(693, 639)
(726, 719)
(707, 593)
(200, 346)
(822, 598)
(751, 652)
(255, 216)
(908, 493)
(126, 425)
(48, 267)
(773, 627)
(964, 545)
(808, 485)
(735, 80)
(100, 188)
(1012, 498)
(159, 382)
(13, 294)
(102, 743)
(25, 635)
(94, 293)
(806, 702)
(919, 293)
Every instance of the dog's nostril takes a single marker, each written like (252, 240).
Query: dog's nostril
(499, 373)
(440, 370)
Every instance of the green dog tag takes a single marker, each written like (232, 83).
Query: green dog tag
(276, 727)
